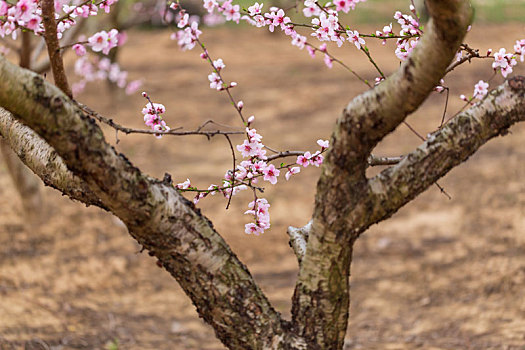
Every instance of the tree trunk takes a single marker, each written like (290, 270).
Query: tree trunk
(26, 184)
(347, 202)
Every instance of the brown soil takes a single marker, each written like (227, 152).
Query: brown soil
(440, 274)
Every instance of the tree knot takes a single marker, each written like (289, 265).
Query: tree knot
(517, 83)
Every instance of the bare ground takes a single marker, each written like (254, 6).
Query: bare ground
(440, 274)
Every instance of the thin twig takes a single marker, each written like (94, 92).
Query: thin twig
(233, 171)
(175, 131)
(414, 131)
(445, 109)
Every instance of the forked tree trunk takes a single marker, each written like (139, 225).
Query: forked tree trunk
(347, 202)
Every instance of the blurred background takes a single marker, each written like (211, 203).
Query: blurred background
(441, 274)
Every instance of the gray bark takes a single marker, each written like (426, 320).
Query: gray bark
(347, 203)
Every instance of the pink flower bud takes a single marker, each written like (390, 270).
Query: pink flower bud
(251, 119)
(489, 52)
(144, 94)
(233, 84)
(204, 56)
(240, 104)
(79, 49)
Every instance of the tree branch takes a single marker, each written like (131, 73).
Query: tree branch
(299, 239)
(445, 149)
(321, 298)
(377, 161)
(157, 216)
(53, 46)
(43, 160)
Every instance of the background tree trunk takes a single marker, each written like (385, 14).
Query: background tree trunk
(26, 183)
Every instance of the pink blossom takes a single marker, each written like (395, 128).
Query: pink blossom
(249, 149)
(258, 21)
(323, 143)
(252, 228)
(311, 8)
(253, 135)
(328, 61)
(327, 27)
(198, 197)
(122, 38)
(210, 5)
(353, 37)
(270, 174)
(113, 40)
(215, 81)
(299, 41)
(133, 86)
(24, 10)
(378, 80)
(79, 49)
(153, 118)
(184, 185)
(505, 61)
(255, 9)
(187, 38)
(259, 209)
(317, 159)
(292, 171)
(304, 160)
(184, 19)
(344, 5)
(34, 24)
(219, 64)
(519, 48)
(98, 41)
(103, 41)
(405, 47)
(231, 12)
(480, 89)
(311, 51)
(213, 19)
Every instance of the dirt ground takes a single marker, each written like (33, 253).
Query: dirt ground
(440, 274)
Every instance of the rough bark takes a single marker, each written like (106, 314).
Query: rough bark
(321, 298)
(53, 46)
(29, 148)
(157, 216)
(445, 149)
(347, 203)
